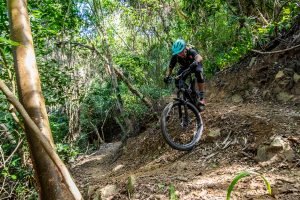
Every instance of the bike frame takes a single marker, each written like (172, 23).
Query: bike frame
(185, 91)
(184, 94)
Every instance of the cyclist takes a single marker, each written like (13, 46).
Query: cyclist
(187, 57)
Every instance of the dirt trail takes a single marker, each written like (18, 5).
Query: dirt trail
(245, 129)
(206, 171)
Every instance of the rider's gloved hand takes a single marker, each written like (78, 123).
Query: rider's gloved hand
(195, 64)
(167, 79)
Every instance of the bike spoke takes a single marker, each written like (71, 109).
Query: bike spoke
(181, 130)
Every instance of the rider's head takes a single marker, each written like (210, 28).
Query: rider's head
(179, 47)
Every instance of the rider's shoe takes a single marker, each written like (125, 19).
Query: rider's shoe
(201, 104)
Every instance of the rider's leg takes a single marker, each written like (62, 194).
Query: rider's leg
(200, 83)
(201, 90)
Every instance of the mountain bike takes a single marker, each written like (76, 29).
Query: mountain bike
(181, 122)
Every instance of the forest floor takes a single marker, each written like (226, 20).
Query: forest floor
(207, 170)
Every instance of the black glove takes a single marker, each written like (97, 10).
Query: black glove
(167, 79)
(195, 64)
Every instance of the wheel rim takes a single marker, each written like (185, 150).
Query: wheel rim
(182, 130)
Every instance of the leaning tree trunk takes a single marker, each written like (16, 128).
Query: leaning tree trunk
(49, 178)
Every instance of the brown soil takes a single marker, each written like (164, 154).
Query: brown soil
(250, 104)
(206, 171)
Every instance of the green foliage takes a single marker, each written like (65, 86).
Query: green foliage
(67, 152)
(55, 81)
(8, 42)
(49, 19)
(14, 174)
(95, 108)
(155, 92)
(59, 125)
(133, 106)
(131, 185)
(223, 35)
(4, 28)
(135, 66)
(161, 186)
(16, 177)
(97, 102)
(5, 117)
(139, 35)
(172, 193)
(245, 174)
(25, 192)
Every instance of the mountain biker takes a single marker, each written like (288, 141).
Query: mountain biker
(187, 57)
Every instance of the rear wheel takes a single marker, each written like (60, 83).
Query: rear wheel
(181, 125)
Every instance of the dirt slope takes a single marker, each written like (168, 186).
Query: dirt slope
(252, 123)
(205, 172)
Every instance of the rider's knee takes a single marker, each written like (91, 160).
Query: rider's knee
(199, 77)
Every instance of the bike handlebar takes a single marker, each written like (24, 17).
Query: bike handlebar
(184, 73)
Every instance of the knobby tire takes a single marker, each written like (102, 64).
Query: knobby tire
(181, 108)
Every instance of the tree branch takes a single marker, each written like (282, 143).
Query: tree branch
(99, 139)
(14, 151)
(133, 89)
(11, 107)
(273, 52)
(119, 74)
(43, 140)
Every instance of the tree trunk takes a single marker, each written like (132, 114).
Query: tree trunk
(49, 179)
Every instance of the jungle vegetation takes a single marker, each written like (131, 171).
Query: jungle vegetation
(101, 65)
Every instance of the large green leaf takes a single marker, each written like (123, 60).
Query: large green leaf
(245, 174)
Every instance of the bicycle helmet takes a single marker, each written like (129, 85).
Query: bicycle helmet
(178, 46)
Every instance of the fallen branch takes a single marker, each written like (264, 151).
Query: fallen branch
(273, 52)
(99, 139)
(208, 157)
(247, 155)
(43, 140)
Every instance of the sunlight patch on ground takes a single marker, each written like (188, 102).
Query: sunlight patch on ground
(90, 159)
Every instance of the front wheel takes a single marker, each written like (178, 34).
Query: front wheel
(181, 125)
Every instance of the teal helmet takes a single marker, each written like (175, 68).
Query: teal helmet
(178, 46)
